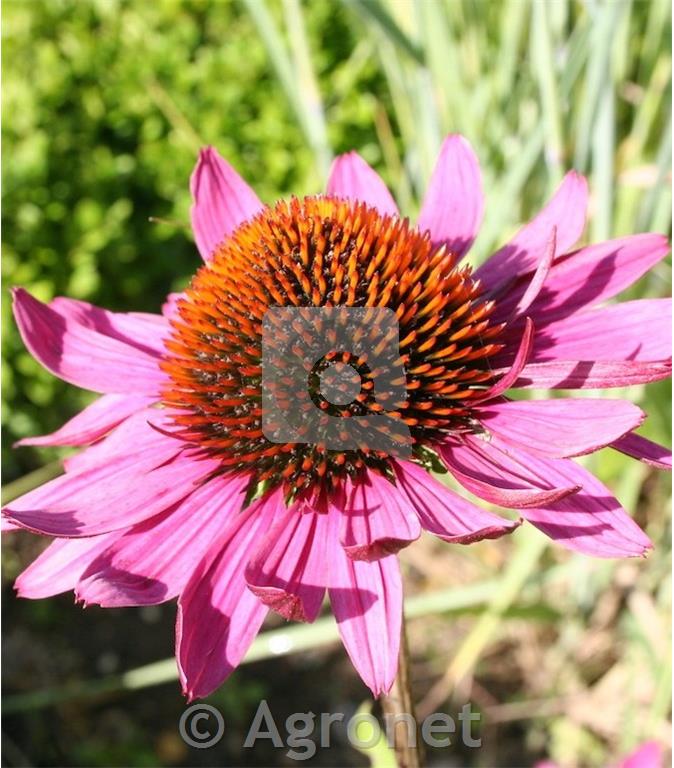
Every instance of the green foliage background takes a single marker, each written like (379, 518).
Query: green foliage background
(107, 102)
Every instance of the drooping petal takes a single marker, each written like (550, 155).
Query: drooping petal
(218, 616)
(645, 450)
(97, 501)
(453, 206)
(141, 440)
(134, 443)
(504, 476)
(94, 421)
(377, 519)
(153, 561)
(445, 513)
(638, 330)
(366, 598)
(7, 526)
(586, 374)
(60, 566)
(632, 330)
(591, 521)
(353, 179)
(221, 201)
(565, 211)
(561, 427)
(114, 488)
(288, 571)
(82, 355)
(586, 278)
(142, 330)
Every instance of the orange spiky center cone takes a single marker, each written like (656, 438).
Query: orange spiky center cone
(324, 252)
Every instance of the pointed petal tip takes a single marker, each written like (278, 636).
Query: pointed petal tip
(377, 549)
(453, 205)
(222, 200)
(452, 140)
(289, 606)
(383, 689)
(578, 177)
(495, 532)
(352, 178)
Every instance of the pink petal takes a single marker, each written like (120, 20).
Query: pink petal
(367, 600)
(140, 437)
(59, 567)
(94, 421)
(591, 521)
(645, 450)
(222, 201)
(84, 356)
(453, 205)
(585, 374)
(288, 571)
(116, 490)
(501, 474)
(142, 330)
(170, 307)
(445, 513)
(7, 526)
(153, 561)
(587, 277)
(377, 519)
(632, 330)
(561, 427)
(565, 211)
(648, 755)
(218, 616)
(510, 376)
(352, 178)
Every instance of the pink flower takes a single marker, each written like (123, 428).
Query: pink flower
(648, 755)
(159, 506)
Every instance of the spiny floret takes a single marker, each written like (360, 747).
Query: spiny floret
(323, 252)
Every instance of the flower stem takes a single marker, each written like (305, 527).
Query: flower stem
(398, 707)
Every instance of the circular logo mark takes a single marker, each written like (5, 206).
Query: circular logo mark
(201, 726)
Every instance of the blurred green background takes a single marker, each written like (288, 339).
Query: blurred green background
(106, 104)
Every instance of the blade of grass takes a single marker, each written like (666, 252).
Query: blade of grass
(22, 485)
(307, 107)
(373, 13)
(441, 53)
(653, 212)
(545, 67)
(604, 24)
(514, 17)
(603, 143)
(308, 92)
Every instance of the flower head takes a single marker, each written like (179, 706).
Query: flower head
(182, 491)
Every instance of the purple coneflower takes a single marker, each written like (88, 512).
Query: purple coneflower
(180, 492)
